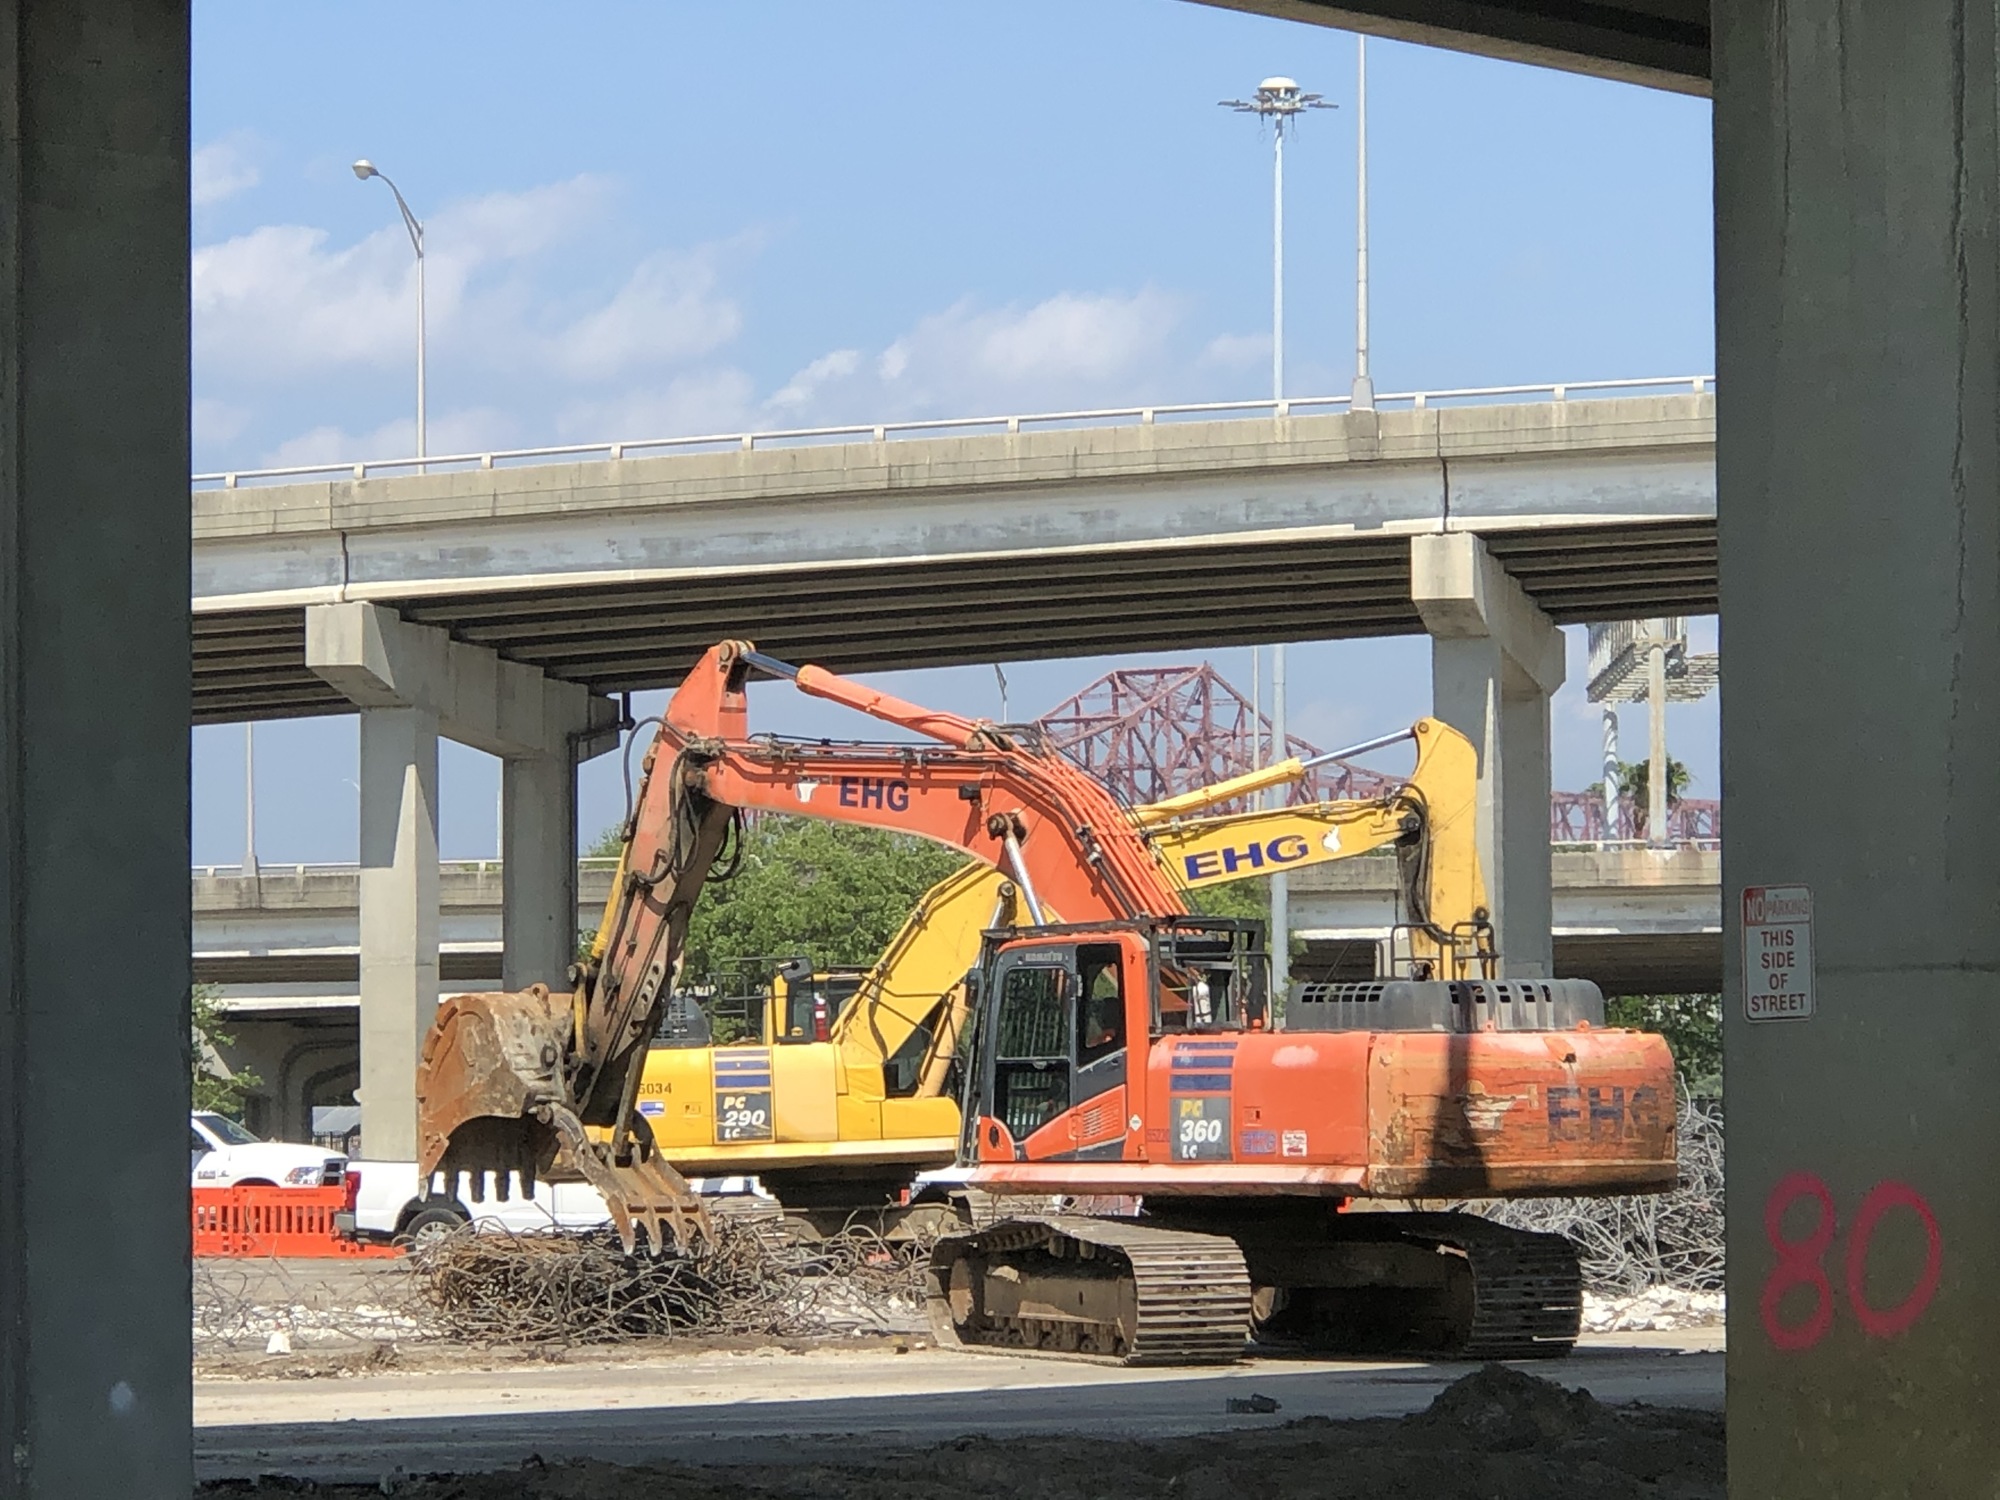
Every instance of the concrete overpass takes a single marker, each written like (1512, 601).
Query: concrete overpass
(1857, 148)
(962, 541)
(283, 945)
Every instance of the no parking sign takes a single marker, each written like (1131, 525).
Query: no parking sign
(1777, 953)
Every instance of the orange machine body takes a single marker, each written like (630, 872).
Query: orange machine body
(1163, 1104)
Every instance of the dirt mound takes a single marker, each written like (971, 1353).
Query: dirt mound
(1502, 1410)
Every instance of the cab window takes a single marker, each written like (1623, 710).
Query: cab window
(1185, 1002)
(1100, 1029)
(1031, 1047)
(1034, 1013)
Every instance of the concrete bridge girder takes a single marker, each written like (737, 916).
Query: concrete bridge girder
(617, 573)
(412, 683)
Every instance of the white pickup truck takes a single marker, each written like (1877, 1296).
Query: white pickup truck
(224, 1154)
(387, 1205)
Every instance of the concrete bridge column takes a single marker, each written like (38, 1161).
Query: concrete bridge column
(1857, 191)
(95, 1394)
(538, 868)
(413, 683)
(399, 920)
(1495, 661)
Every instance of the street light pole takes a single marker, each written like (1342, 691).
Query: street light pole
(1656, 724)
(1280, 101)
(365, 169)
(1278, 264)
(1281, 886)
(1363, 398)
(250, 797)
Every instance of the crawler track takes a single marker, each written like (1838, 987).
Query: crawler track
(1101, 1289)
(1450, 1286)
(1527, 1289)
(1440, 1286)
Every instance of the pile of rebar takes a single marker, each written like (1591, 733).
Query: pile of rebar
(1658, 1240)
(523, 1289)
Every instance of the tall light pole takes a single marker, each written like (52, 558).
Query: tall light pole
(1280, 101)
(250, 797)
(1363, 398)
(365, 169)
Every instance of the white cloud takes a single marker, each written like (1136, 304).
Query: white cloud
(510, 226)
(283, 305)
(278, 300)
(1238, 351)
(1069, 337)
(218, 421)
(804, 388)
(667, 311)
(330, 444)
(1072, 348)
(473, 430)
(283, 301)
(1068, 343)
(715, 401)
(224, 167)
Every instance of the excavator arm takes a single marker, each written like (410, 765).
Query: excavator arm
(508, 1082)
(1427, 819)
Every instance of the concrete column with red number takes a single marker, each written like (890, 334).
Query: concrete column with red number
(1858, 495)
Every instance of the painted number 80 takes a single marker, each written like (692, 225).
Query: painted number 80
(1801, 1261)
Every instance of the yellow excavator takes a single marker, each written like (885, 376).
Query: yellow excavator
(836, 1088)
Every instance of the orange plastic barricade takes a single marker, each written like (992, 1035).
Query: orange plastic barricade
(267, 1221)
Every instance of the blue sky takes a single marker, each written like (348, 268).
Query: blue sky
(646, 219)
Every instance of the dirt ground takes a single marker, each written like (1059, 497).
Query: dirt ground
(1496, 1434)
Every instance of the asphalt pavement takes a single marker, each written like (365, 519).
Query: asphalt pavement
(769, 1405)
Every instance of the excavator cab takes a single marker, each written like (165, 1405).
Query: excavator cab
(805, 1002)
(1213, 974)
(1068, 1010)
(1056, 1037)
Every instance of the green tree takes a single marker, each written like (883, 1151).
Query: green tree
(833, 892)
(216, 1087)
(1692, 1025)
(1634, 781)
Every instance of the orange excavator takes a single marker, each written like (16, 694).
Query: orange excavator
(1131, 1053)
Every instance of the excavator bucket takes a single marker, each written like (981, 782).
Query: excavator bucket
(492, 1100)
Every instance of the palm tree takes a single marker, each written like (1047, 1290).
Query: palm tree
(1634, 782)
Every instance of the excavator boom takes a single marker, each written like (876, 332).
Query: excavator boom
(508, 1083)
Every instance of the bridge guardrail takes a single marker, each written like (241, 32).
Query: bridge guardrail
(933, 426)
(1576, 820)
(587, 862)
